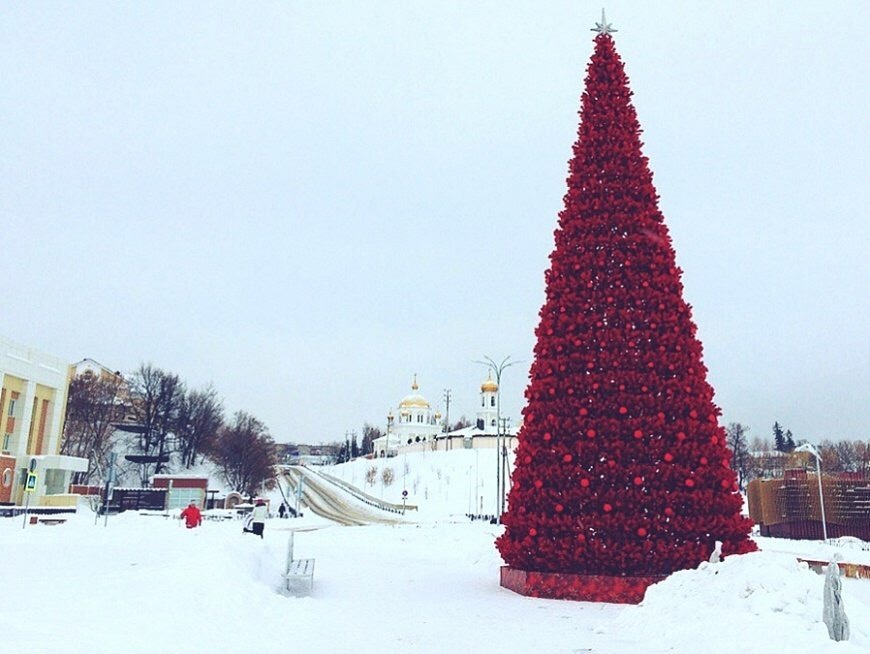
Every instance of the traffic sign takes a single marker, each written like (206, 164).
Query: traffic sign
(404, 493)
(30, 486)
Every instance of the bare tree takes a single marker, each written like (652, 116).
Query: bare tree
(842, 456)
(862, 458)
(370, 434)
(155, 396)
(388, 476)
(200, 416)
(462, 423)
(94, 404)
(246, 454)
(740, 459)
(847, 456)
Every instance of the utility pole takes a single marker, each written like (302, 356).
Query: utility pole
(447, 395)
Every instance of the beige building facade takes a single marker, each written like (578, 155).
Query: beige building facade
(33, 391)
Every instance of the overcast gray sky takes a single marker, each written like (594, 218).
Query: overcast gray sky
(305, 203)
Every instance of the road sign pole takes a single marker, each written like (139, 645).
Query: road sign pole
(110, 479)
(29, 487)
(26, 507)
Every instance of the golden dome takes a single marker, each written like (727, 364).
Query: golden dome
(488, 386)
(414, 400)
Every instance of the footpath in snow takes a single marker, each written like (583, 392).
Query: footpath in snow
(146, 584)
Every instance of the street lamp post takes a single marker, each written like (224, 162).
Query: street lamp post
(504, 423)
(807, 447)
(497, 368)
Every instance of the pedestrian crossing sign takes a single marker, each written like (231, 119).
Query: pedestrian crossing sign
(30, 486)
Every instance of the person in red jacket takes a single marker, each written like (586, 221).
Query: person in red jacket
(192, 516)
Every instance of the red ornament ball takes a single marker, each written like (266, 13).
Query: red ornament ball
(668, 457)
(584, 483)
(584, 411)
(638, 433)
(608, 508)
(623, 410)
(690, 483)
(539, 483)
(641, 532)
(559, 508)
(567, 458)
(669, 512)
(590, 433)
(533, 532)
(547, 436)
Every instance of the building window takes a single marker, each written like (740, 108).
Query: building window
(492, 401)
(6, 438)
(482, 401)
(492, 423)
(11, 407)
(7, 478)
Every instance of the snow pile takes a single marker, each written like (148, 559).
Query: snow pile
(852, 550)
(759, 602)
(142, 574)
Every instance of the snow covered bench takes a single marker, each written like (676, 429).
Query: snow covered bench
(299, 574)
(52, 520)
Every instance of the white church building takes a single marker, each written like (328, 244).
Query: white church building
(418, 427)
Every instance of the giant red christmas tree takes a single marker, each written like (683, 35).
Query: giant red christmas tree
(622, 468)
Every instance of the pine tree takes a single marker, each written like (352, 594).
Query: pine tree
(789, 443)
(778, 438)
(354, 447)
(622, 467)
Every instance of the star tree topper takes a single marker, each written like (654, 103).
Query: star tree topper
(603, 27)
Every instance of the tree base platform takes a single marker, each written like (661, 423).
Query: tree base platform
(577, 587)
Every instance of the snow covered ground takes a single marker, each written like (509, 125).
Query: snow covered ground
(146, 584)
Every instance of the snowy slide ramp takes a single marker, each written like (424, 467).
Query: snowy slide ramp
(333, 503)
